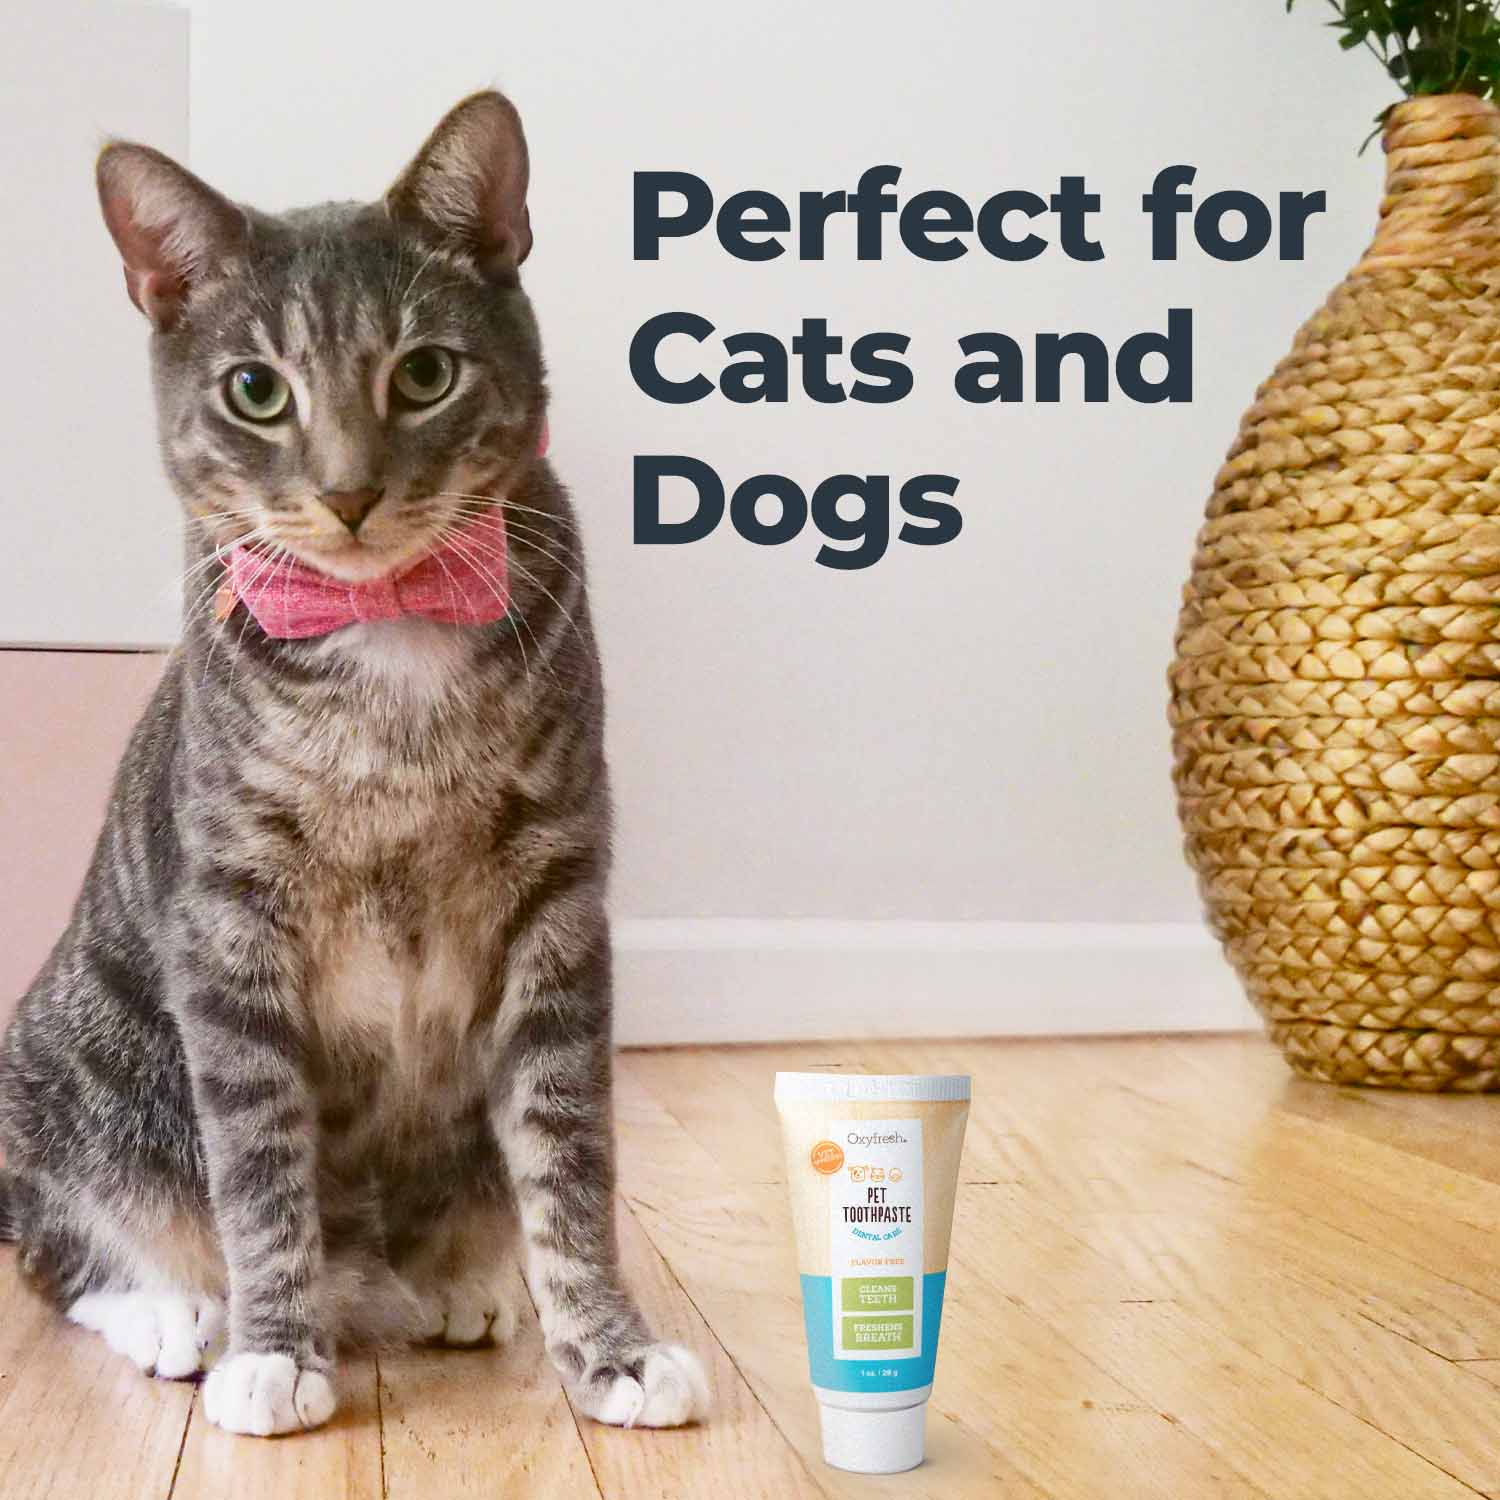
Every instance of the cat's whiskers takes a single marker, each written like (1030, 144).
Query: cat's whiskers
(505, 502)
(209, 585)
(476, 510)
(252, 537)
(213, 517)
(453, 585)
(512, 614)
(198, 604)
(280, 557)
(252, 540)
(557, 604)
(502, 596)
(216, 556)
(525, 571)
(458, 514)
(211, 588)
(481, 567)
(529, 535)
(271, 560)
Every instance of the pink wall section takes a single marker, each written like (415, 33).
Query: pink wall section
(67, 717)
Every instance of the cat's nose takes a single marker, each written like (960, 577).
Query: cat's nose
(351, 506)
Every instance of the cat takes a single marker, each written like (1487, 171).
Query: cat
(328, 1032)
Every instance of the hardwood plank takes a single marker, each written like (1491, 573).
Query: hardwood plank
(1322, 1329)
(1193, 1139)
(1271, 1428)
(739, 1450)
(27, 1325)
(1321, 1336)
(1068, 1421)
(714, 1093)
(1217, 1104)
(75, 1417)
(1458, 1131)
(342, 1459)
(1485, 1369)
(480, 1422)
(1383, 1236)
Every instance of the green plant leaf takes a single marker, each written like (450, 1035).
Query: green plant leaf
(1426, 46)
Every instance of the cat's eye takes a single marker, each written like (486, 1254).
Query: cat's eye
(257, 392)
(423, 376)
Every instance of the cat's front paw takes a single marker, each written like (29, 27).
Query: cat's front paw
(263, 1394)
(466, 1314)
(166, 1334)
(661, 1385)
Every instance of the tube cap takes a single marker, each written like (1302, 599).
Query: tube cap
(874, 1442)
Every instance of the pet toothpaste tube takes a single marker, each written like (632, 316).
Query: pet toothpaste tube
(872, 1167)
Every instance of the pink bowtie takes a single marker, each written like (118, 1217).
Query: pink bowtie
(464, 582)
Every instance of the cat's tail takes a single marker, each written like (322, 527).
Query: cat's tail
(10, 1219)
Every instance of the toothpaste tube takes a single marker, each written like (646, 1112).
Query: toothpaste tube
(872, 1168)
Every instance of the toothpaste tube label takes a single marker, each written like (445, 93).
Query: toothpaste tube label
(876, 1239)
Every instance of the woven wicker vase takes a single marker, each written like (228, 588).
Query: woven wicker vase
(1336, 692)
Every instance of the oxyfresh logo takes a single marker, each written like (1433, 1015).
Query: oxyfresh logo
(876, 1138)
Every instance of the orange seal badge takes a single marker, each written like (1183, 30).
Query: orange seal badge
(827, 1157)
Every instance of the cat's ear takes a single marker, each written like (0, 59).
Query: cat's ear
(469, 182)
(168, 225)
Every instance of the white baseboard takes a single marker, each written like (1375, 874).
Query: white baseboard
(719, 980)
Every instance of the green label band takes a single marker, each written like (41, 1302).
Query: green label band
(875, 1369)
(878, 1333)
(879, 1294)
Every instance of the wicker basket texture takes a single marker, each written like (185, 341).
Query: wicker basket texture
(1336, 691)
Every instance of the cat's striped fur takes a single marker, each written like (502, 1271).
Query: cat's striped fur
(330, 1026)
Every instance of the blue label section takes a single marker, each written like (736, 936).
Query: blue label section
(874, 1373)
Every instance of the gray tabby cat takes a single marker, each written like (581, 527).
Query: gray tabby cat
(332, 1014)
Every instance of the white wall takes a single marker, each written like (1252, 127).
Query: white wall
(971, 733)
(92, 552)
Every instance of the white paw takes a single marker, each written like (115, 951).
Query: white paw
(465, 1313)
(166, 1334)
(265, 1394)
(671, 1391)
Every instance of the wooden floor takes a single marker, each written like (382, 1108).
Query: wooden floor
(1176, 1272)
